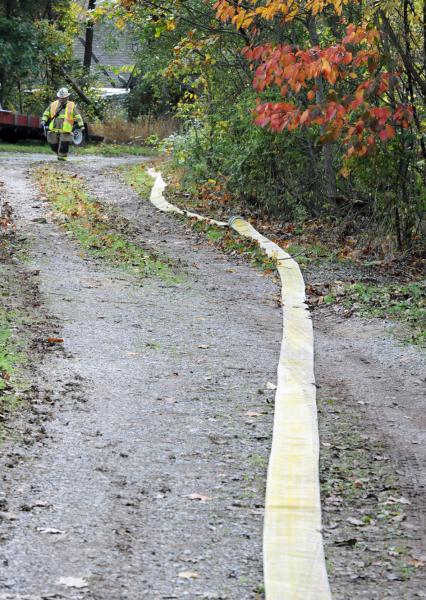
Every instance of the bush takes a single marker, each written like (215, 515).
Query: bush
(248, 161)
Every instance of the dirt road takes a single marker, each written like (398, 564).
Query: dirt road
(147, 476)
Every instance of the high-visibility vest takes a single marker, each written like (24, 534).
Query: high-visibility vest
(68, 118)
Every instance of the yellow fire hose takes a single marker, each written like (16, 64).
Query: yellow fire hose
(158, 200)
(293, 555)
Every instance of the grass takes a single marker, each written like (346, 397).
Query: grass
(101, 149)
(101, 233)
(146, 127)
(230, 242)
(8, 357)
(137, 177)
(11, 357)
(403, 303)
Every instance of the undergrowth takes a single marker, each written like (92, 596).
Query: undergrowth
(100, 232)
(11, 357)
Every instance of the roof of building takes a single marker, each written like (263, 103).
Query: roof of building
(113, 53)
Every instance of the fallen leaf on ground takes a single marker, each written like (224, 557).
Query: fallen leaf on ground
(55, 340)
(354, 521)
(271, 386)
(251, 413)
(188, 575)
(416, 562)
(392, 500)
(199, 497)
(50, 530)
(75, 582)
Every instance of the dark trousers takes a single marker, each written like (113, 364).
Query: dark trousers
(59, 142)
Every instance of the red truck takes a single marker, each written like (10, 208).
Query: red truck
(15, 126)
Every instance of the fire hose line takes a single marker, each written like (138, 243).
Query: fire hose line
(293, 554)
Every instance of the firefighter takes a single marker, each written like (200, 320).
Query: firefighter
(59, 120)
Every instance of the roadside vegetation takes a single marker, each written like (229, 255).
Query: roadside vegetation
(100, 149)
(99, 231)
(18, 322)
(310, 245)
(226, 239)
(10, 359)
(299, 110)
(404, 303)
(138, 178)
(144, 129)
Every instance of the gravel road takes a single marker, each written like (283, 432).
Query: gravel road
(148, 476)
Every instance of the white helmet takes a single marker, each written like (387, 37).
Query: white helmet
(63, 93)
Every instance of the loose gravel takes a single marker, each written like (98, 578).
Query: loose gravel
(147, 476)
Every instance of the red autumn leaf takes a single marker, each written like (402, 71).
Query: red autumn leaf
(387, 133)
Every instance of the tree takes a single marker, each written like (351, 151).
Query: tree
(336, 87)
(88, 45)
(354, 90)
(28, 35)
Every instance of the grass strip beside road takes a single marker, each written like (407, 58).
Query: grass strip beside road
(8, 355)
(97, 149)
(233, 244)
(101, 233)
(138, 178)
(12, 357)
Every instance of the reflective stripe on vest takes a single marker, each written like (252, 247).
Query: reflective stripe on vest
(68, 118)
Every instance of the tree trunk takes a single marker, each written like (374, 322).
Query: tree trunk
(8, 5)
(329, 170)
(97, 62)
(88, 45)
